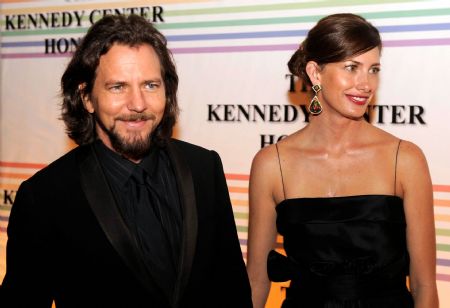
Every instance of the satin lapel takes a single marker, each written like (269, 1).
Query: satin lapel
(189, 207)
(103, 205)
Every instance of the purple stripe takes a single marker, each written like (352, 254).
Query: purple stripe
(246, 48)
(443, 277)
(243, 241)
(4, 218)
(422, 42)
(234, 48)
(34, 55)
(443, 262)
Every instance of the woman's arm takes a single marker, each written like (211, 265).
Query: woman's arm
(262, 219)
(420, 231)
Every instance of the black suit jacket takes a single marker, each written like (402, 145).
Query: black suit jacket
(67, 241)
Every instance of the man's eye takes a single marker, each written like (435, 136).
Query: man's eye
(116, 87)
(152, 86)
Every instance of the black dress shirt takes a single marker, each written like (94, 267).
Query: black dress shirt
(148, 200)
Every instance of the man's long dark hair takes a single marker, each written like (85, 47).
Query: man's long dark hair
(132, 30)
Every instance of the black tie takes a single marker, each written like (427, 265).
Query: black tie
(150, 233)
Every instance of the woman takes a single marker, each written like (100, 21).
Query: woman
(342, 191)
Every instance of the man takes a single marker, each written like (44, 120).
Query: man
(130, 218)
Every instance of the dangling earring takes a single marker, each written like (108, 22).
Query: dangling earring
(315, 107)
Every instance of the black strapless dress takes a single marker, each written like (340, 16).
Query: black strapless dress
(343, 252)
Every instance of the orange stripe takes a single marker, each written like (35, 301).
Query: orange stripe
(9, 186)
(233, 176)
(14, 175)
(112, 5)
(239, 202)
(21, 165)
(441, 217)
(442, 188)
(234, 189)
(441, 202)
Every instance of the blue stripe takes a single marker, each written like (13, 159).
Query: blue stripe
(265, 34)
(22, 44)
(409, 28)
(443, 262)
(241, 35)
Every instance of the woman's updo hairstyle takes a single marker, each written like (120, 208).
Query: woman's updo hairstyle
(335, 38)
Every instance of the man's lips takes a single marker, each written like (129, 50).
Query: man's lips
(137, 124)
(136, 120)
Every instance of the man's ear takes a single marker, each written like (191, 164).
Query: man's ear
(87, 103)
(313, 70)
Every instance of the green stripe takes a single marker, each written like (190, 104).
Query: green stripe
(276, 7)
(240, 215)
(5, 207)
(443, 247)
(242, 228)
(443, 232)
(242, 22)
(412, 13)
(45, 31)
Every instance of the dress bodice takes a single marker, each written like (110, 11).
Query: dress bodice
(343, 252)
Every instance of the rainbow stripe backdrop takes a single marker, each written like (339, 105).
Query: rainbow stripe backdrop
(212, 28)
(219, 27)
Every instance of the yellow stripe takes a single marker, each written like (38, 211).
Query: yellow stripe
(441, 202)
(440, 217)
(15, 175)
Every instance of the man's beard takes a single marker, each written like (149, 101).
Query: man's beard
(134, 147)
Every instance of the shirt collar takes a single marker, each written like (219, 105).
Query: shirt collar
(121, 168)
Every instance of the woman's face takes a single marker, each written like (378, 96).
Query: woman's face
(349, 86)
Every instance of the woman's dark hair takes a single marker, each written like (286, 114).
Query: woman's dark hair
(132, 30)
(335, 38)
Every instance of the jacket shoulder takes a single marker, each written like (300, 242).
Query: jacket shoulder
(183, 145)
(62, 166)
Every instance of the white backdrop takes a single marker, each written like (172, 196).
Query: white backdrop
(231, 57)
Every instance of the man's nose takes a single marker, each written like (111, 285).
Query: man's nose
(136, 101)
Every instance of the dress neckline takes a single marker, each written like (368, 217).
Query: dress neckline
(349, 197)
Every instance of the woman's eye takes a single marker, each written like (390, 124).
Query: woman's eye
(350, 67)
(374, 70)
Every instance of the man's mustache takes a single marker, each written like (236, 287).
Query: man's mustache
(136, 117)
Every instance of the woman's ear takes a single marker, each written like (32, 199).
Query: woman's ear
(313, 71)
(87, 103)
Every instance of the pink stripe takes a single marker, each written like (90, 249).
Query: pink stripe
(442, 188)
(443, 277)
